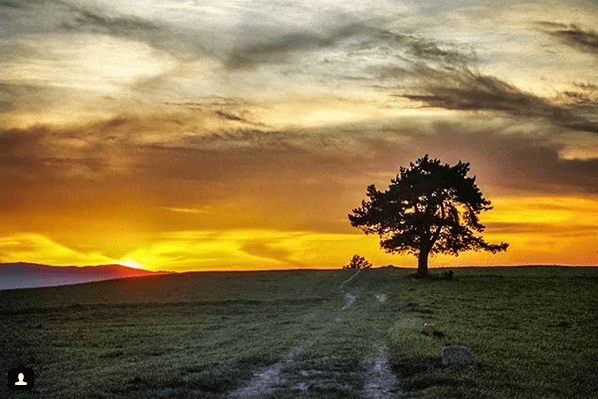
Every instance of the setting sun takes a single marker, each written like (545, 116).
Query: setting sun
(131, 263)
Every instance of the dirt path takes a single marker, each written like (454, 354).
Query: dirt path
(380, 381)
(267, 381)
(307, 373)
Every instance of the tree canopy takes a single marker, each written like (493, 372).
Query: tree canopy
(428, 208)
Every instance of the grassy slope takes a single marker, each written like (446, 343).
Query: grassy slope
(510, 318)
(207, 334)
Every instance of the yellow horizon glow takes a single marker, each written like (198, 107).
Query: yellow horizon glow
(540, 230)
(132, 263)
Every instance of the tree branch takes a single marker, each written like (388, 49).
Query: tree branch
(436, 234)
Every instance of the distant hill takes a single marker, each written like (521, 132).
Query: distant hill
(31, 275)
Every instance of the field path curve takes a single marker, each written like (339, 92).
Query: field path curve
(308, 371)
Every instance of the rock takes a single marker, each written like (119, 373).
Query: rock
(457, 356)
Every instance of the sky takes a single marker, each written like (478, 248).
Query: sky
(226, 135)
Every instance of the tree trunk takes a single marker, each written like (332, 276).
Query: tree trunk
(422, 263)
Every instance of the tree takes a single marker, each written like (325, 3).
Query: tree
(358, 262)
(428, 208)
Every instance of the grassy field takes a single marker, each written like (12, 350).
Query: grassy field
(308, 334)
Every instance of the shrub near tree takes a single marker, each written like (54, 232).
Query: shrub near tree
(358, 262)
(428, 208)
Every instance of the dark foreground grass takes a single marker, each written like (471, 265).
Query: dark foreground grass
(206, 335)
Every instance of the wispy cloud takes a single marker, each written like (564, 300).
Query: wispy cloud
(585, 40)
(292, 173)
(266, 248)
(358, 42)
(42, 249)
(465, 90)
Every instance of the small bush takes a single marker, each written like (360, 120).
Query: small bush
(358, 262)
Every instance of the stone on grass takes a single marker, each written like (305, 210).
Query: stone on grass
(457, 356)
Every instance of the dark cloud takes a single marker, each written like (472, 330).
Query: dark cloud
(534, 166)
(21, 149)
(265, 40)
(582, 39)
(160, 35)
(94, 21)
(57, 16)
(509, 155)
(294, 179)
(467, 90)
(10, 4)
(353, 40)
(464, 89)
(524, 161)
(103, 162)
(229, 116)
(26, 97)
(38, 17)
(275, 50)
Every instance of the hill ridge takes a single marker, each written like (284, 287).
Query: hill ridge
(33, 275)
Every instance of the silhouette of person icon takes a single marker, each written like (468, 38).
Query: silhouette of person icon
(21, 378)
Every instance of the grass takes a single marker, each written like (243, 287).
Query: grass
(532, 330)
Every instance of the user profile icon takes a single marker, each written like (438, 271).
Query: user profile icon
(21, 378)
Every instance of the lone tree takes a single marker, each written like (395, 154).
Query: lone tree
(428, 208)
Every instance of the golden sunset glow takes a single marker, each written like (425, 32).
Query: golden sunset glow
(167, 135)
(131, 263)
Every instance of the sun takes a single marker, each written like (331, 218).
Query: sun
(131, 263)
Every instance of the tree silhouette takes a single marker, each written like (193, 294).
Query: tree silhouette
(428, 208)
(358, 262)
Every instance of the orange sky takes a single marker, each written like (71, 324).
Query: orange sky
(228, 135)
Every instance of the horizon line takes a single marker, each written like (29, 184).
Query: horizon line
(315, 268)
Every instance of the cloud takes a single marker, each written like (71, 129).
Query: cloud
(582, 94)
(42, 249)
(20, 97)
(465, 90)
(61, 19)
(289, 179)
(267, 249)
(57, 16)
(513, 158)
(274, 50)
(345, 50)
(584, 40)
(111, 164)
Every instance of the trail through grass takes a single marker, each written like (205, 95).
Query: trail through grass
(308, 334)
(295, 376)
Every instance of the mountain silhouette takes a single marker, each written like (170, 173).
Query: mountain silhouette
(32, 275)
